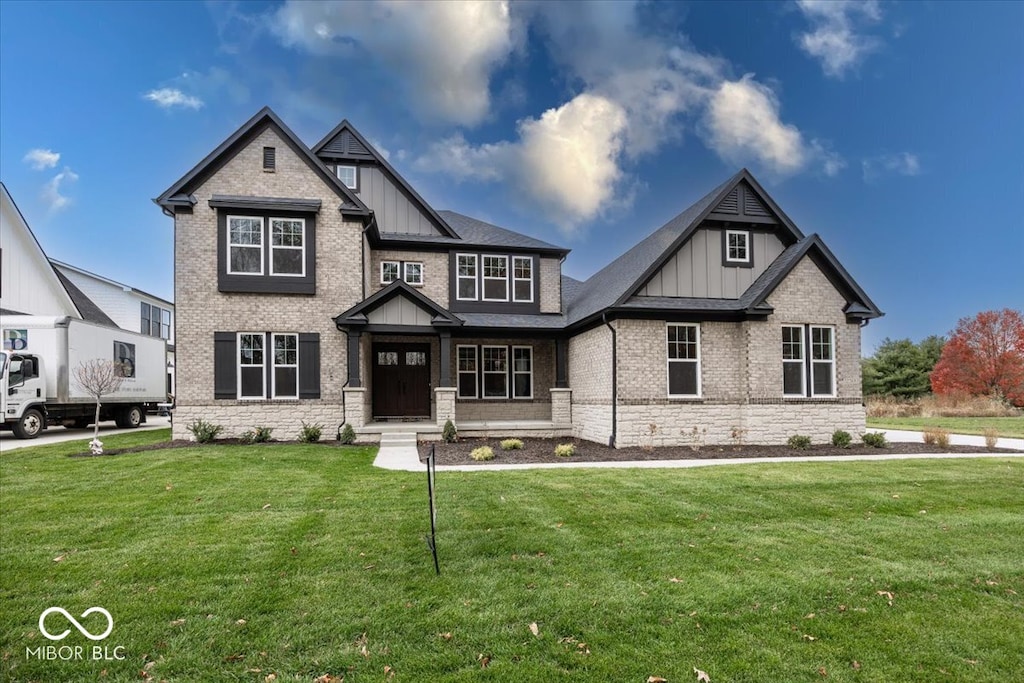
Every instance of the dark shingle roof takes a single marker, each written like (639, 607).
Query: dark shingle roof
(89, 310)
(480, 233)
(571, 288)
(522, 320)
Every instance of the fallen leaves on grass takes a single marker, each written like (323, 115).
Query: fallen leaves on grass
(266, 507)
(675, 580)
(445, 636)
(656, 679)
(822, 671)
(484, 660)
(237, 657)
(809, 638)
(177, 622)
(270, 678)
(328, 678)
(59, 558)
(389, 672)
(241, 622)
(701, 676)
(167, 486)
(855, 665)
(887, 595)
(534, 629)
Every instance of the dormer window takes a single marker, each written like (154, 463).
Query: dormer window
(349, 175)
(737, 247)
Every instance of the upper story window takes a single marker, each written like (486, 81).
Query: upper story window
(245, 245)
(466, 274)
(267, 252)
(156, 321)
(808, 374)
(409, 271)
(349, 175)
(683, 360)
(522, 278)
(495, 273)
(480, 280)
(414, 273)
(737, 247)
(286, 246)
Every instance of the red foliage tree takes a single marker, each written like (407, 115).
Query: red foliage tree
(984, 356)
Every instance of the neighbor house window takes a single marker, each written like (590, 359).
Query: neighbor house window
(251, 373)
(467, 371)
(245, 245)
(809, 374)
(495, 371)
(522, 278)
(349, 176)
(413, 273)
(737, 246)
(793, 360)
(155, 321)
(389, 271)
(522, 372)
(285, 373)
(466, 277)
(287, 250)
(495, 278)
(683, 360)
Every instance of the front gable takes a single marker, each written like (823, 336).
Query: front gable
(396, 306)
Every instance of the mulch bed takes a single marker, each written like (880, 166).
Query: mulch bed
(185, 443)
(542, 450)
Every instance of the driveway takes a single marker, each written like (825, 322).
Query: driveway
(9, 442)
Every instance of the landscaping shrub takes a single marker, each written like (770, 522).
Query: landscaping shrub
(482, 453)
(874, 439)
(936, 436)
(450, 433)
(991, 438)
(247, 436)
(262, 434)
(565, 450)
(347, 435)
(203, 431)
(310, 433)
(511, 445)
(799, 442)
(841, 439)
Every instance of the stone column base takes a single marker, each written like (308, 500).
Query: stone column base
(444, 404)
(355, 406)
(561, 407)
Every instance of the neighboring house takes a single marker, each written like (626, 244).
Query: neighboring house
(316, 284)
(129, 308)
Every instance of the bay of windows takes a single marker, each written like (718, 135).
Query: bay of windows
(246, 241)
(495, 372)
(808, 374)
(494, 277)
(253, 361)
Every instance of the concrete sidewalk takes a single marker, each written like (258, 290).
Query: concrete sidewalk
(406, 457)
(8, 442)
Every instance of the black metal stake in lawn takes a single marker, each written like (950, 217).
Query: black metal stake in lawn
(432, 538)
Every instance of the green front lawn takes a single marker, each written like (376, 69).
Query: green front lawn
(1012, 427)
(227, 563)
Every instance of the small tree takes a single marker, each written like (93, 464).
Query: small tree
(984, 356)
(98, 378)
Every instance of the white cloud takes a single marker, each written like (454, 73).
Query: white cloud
(41, 159)
(173, 97)
(834, 39)
(51, 193)
(444, 51)
(900, 163)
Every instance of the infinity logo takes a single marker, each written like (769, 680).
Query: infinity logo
(87, 634)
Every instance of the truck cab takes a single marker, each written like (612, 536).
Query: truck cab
(22, 394)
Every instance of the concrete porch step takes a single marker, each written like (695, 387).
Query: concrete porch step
(398, 439)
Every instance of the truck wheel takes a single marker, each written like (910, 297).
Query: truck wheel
(30, 424)
(129, 418)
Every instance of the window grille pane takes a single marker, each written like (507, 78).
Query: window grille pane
(246, 231)
(245, 260)
(495, 385)
(467, 360)
(252, 381)
(389, 271)
(495, 266)
(495, 360)
(522, 386)
(793, 378)
(467, 266)
(467, 288)
(467, 385)
(523, 290)
(286, 382)
(496, 289)
(287, 261)
(415, 358)
(387, 358)
(822, 378)
(414, 273)
(286, 233)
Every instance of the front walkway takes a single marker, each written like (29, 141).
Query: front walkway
(406, 457)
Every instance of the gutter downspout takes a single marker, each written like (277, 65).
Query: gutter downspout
(615, 381)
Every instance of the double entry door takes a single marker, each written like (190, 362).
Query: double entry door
(401, 380)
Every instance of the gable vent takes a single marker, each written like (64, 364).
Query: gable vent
(752, 206)
(269, 158)
(731, 203)
(346, 144)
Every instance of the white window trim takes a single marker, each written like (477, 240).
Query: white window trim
(239, 366)
(696, 362)
(405, 273)
(528, 259)
(746, 240)
(475, 372)
(802, 361)
(398, 275)
(301, 249)
(484, 278)
(263, 234)
(274, 365)
(355, 175)
(475, 277)
(831, 361)
(484, 372)
(514, 372)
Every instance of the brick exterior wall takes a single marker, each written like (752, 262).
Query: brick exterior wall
(550, 285)
(201, 310)
(539, 408)
(590, 377)
(435, 272)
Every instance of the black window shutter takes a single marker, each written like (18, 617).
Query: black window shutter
(309, 365)
(225, 365)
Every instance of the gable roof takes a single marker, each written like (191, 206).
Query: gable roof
(179, 194)
(356, 315)
(88, 309)
(344, 142)
(61, 265)
(472, 233)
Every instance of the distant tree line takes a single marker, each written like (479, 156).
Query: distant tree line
(901, 368)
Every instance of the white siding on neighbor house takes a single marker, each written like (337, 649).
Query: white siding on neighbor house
(28, 284)
(696, 270)
(394, 211)
(121, 303)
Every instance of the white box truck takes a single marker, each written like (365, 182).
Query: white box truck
(37, 387)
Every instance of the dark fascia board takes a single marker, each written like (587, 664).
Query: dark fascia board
(836, 274)
(441, 223)
(220, 201)
(454, 244)
(357, 314)
(742, 175)
(213, 161)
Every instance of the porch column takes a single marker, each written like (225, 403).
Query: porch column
(446, 359)
(561, 364)
(561, 407)
(354, 379)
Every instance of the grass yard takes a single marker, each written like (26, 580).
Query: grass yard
(228, 563)
(1011, 427)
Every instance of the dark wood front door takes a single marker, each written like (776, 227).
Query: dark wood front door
(401, 380)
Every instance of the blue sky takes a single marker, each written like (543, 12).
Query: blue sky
(893, 130)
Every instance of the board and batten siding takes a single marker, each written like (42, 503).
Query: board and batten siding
(696, 270)
(395, 212)
(398, 311)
